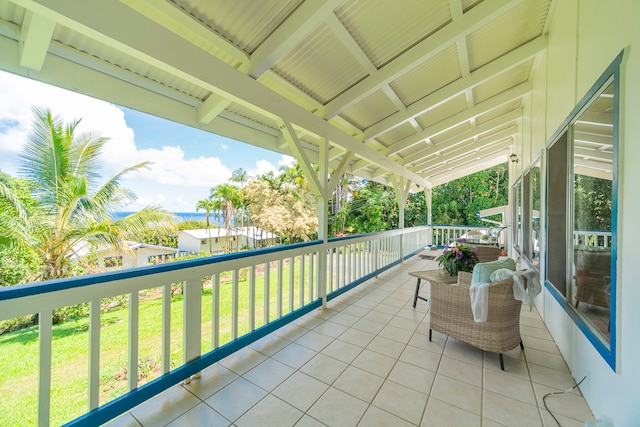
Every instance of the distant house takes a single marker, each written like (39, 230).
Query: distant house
(214, 240)
(138, 255)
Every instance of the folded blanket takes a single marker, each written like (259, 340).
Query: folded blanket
(479, 292)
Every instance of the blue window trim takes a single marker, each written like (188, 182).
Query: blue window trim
(607, 351)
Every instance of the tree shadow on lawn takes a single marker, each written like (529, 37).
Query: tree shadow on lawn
(61, 330)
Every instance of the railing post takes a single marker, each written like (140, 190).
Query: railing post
(322, 274)
(192, 303)
(44, 380)
(134, 301)
(94, 354)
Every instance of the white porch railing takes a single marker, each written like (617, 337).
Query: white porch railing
(600, 239)
(443, 235)
(251, 294)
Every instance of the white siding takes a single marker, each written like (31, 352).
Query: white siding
(585, 36)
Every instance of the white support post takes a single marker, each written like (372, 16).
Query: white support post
(192, 319)
(401, 187)
(134, 302)
(94, 354)
(44, 381)
(166, 328)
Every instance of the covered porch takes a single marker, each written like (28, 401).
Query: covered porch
(366, 360)
(411, 94)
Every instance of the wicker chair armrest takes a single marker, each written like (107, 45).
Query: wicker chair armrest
(464, 279)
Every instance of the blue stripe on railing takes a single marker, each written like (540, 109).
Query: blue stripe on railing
(20, 291)
(128, 401)
(120, 405)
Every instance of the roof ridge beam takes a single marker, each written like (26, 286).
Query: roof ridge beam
(421, 52)
(479, 76)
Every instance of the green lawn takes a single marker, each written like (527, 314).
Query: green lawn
(69, 383)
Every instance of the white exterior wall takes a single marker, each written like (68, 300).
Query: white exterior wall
(584, 37)
(188, 243)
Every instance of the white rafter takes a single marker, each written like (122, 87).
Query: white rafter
(34, 40)
(481, 75)
(421, 52)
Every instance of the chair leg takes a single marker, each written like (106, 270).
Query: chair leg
(501, 362)
(521, 345)
(429, 335)
(415, 297)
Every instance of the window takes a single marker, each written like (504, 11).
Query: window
(113, 261)
(517, 220)
(531, 215)
(581, 213)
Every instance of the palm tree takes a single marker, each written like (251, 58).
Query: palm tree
(239, 175)
(228, 196)
(70, 208)
(208, 206)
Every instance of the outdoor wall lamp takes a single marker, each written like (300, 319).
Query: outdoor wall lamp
(514, 158)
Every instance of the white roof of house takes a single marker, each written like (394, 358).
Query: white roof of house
(252, 232)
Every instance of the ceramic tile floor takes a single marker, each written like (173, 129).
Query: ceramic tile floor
(366, 360)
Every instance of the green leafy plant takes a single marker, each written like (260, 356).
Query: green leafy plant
(459, 258)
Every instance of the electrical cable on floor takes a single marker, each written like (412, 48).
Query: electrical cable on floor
(544, 402)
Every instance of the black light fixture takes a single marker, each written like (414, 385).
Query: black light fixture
(514, 158)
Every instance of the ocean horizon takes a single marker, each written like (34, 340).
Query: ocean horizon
(214, 219)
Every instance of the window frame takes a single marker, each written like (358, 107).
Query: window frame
(608, 351)
(516, 238)
(528, 251)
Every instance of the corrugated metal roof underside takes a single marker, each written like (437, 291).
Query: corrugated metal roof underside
(442, 69)
(349, 65)
(244, 23)
(514, 28)
(368, 22)
(321, 66)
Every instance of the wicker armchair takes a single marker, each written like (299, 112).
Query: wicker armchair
(487, 253)
(451, 315)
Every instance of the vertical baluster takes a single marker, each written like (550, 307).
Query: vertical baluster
(133, 339)
(44, 381)
(312, 295)
(267, 297)
(291, 282)
(280, 288)
(166, 328)
(361, 261)
(301, 297)
(215, 310)
(234, 304)
(94, 353)
(330, 270)
(192, 309)
(252, 298)
(348, 264)
(339, 251)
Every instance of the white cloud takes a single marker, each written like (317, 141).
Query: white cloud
(172, 181)
(286, 161)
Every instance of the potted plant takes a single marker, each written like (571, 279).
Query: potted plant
(459, 258)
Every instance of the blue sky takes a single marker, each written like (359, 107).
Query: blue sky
(187, 162)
